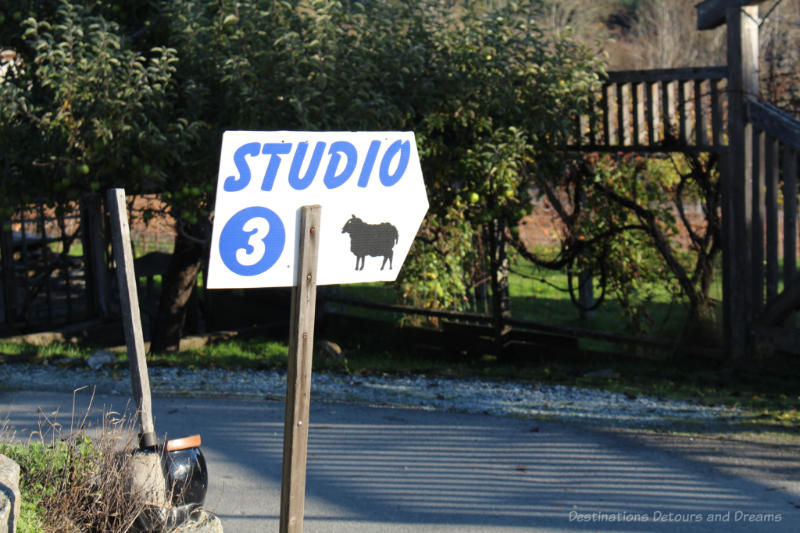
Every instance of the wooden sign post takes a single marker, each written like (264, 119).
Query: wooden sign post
(131, 318)
(298, 377)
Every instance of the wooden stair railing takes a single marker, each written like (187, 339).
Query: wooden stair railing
(776, 143)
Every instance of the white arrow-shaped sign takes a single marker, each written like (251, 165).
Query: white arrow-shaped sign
(369, 185)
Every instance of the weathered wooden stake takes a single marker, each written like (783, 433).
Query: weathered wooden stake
(298, 378)
(131, 318)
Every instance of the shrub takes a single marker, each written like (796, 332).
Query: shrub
(76, 483)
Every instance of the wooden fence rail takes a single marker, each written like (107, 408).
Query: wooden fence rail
(475, 320)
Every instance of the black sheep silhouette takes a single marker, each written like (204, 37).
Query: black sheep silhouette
(371, 240)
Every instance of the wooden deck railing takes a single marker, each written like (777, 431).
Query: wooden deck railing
(686, 110)
(656, 111)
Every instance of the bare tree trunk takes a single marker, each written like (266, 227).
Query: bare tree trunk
(177, 286)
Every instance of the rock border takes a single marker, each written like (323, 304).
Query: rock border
(9, 495)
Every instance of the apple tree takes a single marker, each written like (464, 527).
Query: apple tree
(83, 111)
(503, 98)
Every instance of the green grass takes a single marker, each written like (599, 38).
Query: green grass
(232, 354)
(23, 352)
(541, 295)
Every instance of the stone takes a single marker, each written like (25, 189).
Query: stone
(329, 350)
(67, 362)
(9, 495)
(201, 522)
(602, 373)
(101, 358)
(147, 478)
(148, 486)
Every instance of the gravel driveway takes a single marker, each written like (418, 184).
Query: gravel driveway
(505, 398)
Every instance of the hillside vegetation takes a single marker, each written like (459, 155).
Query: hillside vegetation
(642, 34)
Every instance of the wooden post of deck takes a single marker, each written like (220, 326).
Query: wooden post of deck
(742, 27)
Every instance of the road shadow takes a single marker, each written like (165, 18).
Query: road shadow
(383, 469)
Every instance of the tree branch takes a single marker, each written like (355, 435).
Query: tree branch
(660, 240)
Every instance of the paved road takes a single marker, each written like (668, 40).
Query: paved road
(391, 470)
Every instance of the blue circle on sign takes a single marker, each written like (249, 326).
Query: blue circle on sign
(252, 241)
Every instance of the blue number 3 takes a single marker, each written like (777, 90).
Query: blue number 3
(252, 241)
